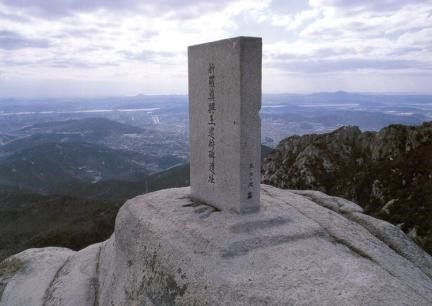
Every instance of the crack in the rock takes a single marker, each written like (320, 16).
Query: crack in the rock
(96, 278)
(48, 292)
(353, 248)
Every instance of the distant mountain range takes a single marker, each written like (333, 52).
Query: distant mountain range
(53, 156)
(389, 172)
(51, 166)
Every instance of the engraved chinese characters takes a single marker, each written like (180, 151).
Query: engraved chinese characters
(211, 123)
(225, 127)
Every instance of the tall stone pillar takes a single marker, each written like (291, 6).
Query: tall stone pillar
(225, 126)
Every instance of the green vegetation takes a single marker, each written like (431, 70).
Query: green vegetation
(388, 173)
(33, 220)
(10, 266)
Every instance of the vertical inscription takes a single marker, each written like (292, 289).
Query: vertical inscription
(251, 182)
(211, 123)
(224, 126)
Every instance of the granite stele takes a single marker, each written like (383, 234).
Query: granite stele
(225, 126)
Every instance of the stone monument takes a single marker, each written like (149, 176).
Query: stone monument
(224, 121)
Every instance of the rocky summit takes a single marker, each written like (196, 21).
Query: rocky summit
(388, 173)
(301, 248)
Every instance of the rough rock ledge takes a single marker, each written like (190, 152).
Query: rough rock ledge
(302, 248)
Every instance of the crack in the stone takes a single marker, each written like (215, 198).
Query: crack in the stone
(96, 278)
(352, 218)
(243, 247)
(353, 249)
(196, 203)
(49, 290)
(251, 226)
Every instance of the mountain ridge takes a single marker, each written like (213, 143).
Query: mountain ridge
(388, 172)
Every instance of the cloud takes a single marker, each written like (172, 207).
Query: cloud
(10, 40)
(405, 51)
(55, 8)
(294, 22)
(374, 5)
(139, 41)
(12, 17)
(311, 54)
(76, 63)
(337, 22)
(342, 36)
(320, 66)
(149, 56)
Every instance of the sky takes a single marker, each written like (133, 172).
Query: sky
(72, 48)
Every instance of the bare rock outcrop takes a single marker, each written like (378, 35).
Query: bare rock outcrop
(388, 173)
(302, 248)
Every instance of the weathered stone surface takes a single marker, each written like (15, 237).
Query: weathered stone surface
(297, 250)
(76, 282)
(336, 204)
(36, 272)
(225, 127)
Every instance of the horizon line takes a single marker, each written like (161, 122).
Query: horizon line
(397, 93)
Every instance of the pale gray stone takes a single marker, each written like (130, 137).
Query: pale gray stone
(396, 239)
(170, 250)
(37, 270)
(76, 282)
(229, 179)
(337, 204)
(393, 236)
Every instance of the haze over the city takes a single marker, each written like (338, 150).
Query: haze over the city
(106, 47)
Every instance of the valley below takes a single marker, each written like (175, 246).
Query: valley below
(67, 166)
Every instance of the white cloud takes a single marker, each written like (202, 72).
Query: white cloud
(294, 22)
(365, 34)
(363, 5)
(134, 42)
